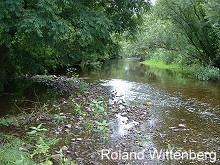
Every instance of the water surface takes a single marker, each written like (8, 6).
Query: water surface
(177, 100)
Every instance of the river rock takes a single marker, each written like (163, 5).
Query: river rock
(64, 148)
(148, 103)
(68, 126)
(79, 139)
(123, 114)
(22, 149)
(182, 126)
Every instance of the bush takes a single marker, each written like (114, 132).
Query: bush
(168, 57)
(208, 73)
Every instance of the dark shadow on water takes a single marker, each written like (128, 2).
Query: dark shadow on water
(21, 93)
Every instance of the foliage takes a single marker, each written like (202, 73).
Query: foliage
(11, 120)
(59, 118)
(198, 71)
(41, 35)
(43, 146)
(99, 109)
(82, 87)
(102, 126)
(181, 32)
(190, 17)
(9, 153)
(161, 65)
(213, 14)
(207, 73)
(37, 130)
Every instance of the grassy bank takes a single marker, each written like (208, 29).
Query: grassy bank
(162, 65)
(197, 71)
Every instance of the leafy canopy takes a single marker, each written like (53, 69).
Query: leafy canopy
(38, 35)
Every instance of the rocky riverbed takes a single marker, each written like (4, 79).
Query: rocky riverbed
(87, 119)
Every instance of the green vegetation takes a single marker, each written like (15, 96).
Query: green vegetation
(37, 129)
(10, 153)
(198, 71)
(180, 35)
(162, 65)
(48, 134)
(38, 36)
(12, 120)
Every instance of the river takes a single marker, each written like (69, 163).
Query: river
(185, 112)
(178, 102)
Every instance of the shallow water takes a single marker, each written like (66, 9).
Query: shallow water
(185, 112)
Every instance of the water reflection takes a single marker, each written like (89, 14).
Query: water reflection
(173, 83)
(21, 94)
(176, 99)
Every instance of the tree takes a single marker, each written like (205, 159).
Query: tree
(43, 34)
(190, 17)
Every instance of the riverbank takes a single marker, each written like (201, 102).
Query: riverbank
(48, 133)
(162, 65)
(70, 130)
(196, 71)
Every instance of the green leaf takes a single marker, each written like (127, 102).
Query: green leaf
(32, 132)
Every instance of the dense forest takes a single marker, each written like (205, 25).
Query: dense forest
(38, 36)
(184, 32)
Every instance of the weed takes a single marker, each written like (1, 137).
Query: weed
(59, 118)
(88, 124)
(99, 110)
(78, 109)
(12, 120)
(82, 87)
(102, 126)
(9, 153)
(42, 147)
(37, 130)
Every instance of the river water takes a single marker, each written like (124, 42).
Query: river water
(185, 112)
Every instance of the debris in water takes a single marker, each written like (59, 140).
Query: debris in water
(148, 103)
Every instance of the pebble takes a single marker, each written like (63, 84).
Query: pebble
(68, 126)
(64, 148)
(22, 149)
(172, 127)
(67, 130)
(182, 126)
(123, 114)
(79, 139)
(148, 103)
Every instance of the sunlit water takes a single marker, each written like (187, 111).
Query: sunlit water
(176, 100)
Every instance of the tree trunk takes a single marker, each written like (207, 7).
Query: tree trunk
(3, 52)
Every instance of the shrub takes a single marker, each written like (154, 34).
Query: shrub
(208, 73)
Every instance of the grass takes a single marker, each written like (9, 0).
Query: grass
(197, 71)
(162, 65)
